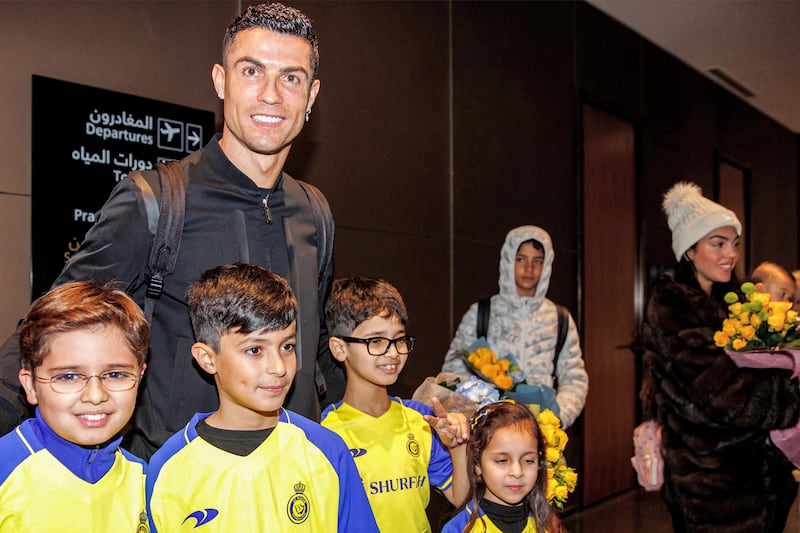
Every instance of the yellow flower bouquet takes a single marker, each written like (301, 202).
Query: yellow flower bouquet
(561, 479)
(759, 333)
(502, 372)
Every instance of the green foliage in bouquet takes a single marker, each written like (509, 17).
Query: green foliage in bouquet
(758, 323)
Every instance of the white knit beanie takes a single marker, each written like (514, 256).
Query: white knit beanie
(691, 216)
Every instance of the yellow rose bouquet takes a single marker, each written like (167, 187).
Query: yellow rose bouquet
(502, 372)
(760, 333)
(505, 375)
(561, 479)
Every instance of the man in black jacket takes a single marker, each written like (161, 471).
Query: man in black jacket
(240, 207)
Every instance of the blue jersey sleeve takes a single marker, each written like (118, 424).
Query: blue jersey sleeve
(355, 512)
(457, 523)
(172, 446)
(14, 451)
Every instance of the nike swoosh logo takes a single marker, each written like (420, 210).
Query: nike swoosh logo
(357, 452)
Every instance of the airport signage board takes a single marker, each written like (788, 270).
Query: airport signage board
(85, 140)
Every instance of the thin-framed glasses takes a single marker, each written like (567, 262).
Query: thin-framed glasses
(380, 345)
(72, 382)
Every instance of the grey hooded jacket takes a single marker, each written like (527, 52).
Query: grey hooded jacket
(527, 327)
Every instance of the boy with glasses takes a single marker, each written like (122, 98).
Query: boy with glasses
(393, 442)
(63, 470)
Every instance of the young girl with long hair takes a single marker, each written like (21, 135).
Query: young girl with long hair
(507, 472)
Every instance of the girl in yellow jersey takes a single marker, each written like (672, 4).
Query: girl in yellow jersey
(507, 472)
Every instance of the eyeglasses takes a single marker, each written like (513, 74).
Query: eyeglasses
(380, 345)
(72, 382)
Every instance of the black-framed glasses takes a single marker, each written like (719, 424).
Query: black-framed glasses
(72, 382)
(380, 345)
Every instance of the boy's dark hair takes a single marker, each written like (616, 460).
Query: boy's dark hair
(483, 425)
(239, 298)
(355, 300)
(278, 18)
(81, 305)
(533, 242)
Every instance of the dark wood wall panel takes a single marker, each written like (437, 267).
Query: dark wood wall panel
(378, 146)
(609, 185)
(513, 138)
(678, 139)
(766, 149)
(608, 61)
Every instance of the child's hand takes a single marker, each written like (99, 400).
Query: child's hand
(451, 427)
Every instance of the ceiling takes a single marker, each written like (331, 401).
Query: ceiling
(756, 43)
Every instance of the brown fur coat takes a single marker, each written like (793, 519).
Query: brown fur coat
(722, 474)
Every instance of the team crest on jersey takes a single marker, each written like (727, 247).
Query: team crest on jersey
(298, 507)
(412, 446)
(143, 526)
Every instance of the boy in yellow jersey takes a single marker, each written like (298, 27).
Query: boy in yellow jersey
(251, 465)
(63, 470)
(401, 447)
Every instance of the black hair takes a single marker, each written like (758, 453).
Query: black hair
(355, 300)
(239, 298)
(533, 242)
(278, 18)
(686, 273)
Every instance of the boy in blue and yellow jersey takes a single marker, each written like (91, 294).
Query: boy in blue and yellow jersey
(63, 470)
(252, 465)
(401, 447)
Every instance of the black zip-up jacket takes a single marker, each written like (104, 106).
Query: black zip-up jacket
(228, 219)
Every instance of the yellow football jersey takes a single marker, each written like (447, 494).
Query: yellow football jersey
(398, 458)
(39, 493)
(482, 524)
(301, 478)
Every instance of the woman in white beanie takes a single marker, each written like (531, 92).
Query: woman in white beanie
(722, 473)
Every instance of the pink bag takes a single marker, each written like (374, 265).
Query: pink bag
(648, 460)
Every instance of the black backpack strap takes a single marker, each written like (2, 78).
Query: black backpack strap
(165, 219)
(323, 221)
(563, 326)
(484, 310)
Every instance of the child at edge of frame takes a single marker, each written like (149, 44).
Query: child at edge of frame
(63, 470)
(252, 465)
(401, 447)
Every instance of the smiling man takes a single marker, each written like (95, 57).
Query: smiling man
(240, 207)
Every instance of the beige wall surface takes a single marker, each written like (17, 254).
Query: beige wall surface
(160, 50)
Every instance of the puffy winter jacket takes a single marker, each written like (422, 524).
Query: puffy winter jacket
(527, 327)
